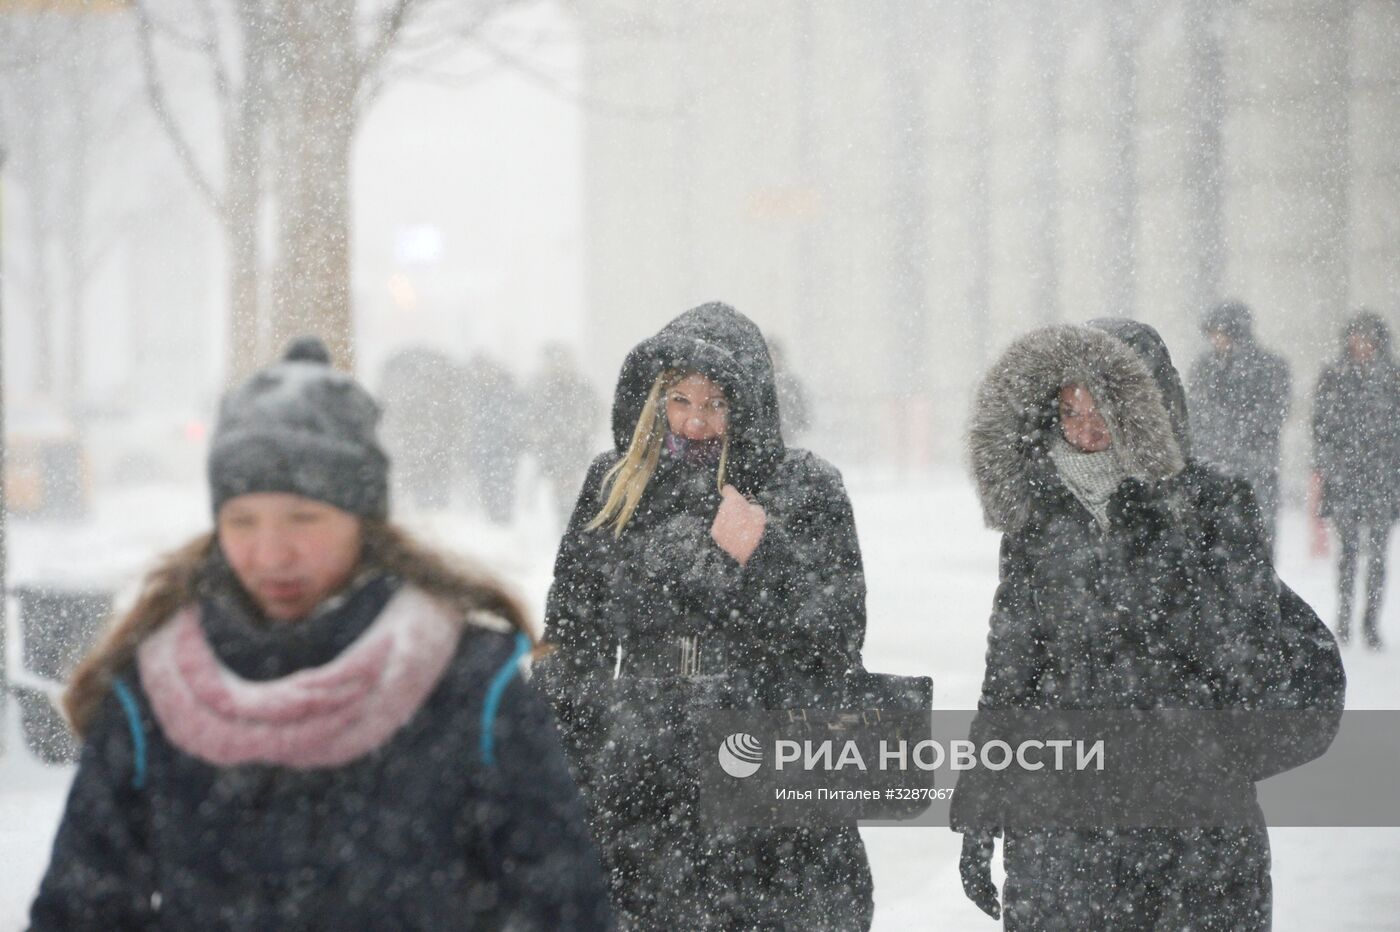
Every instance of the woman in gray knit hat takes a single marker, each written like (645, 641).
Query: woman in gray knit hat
(308, 720)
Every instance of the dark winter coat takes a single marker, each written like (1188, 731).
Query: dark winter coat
(1239, 400)
(780, 631)
(1356, 437)
(464, 818)
(1174, 605)
(1309, 673)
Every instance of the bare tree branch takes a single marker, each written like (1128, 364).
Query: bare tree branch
(170, 32)
(536, 36)
(212, 49)
(117, 229)
(446, 39)
(435, 78)
(422, 58)
(529, 70)
(390, 26)
(161, 105)
(440, 40)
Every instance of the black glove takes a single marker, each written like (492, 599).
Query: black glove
(1152, 561)
(1140, 515)
(975, 865)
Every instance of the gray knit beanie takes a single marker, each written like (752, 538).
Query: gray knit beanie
(302, 427)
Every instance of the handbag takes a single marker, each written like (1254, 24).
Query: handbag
(888, 692)
(876, 709)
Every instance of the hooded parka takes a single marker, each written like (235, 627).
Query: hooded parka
(781, 630)
(1172, 605)
(1356, 452)
(1239, 399)
(1356, 430)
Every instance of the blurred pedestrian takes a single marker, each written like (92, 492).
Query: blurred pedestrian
(1238, 394)
(310, 721)
(565, 413)
(1356, 452)
(496, 427)
(424, 402)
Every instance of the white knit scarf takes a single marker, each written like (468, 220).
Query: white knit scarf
(1091, 477)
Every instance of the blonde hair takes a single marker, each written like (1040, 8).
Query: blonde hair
(627, 479)
(173, 584)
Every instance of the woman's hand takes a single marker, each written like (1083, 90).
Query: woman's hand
(975, 865)
(738, 527)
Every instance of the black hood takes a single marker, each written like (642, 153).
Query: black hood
(1232, 318)
(724, 345)
(1370, 325)
(1152, 349)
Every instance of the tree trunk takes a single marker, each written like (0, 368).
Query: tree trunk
(245, 323)
(312, 286)
(1123, 222)
(1048, 43)
(979, 297)
(1205, 178)
(247, 343)
(74, 214)
(26, 116)
(42, 297)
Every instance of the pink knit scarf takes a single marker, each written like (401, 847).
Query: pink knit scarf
(318, 717)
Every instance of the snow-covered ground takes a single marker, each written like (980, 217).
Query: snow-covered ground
(931, 571)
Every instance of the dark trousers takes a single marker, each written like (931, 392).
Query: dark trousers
(1352, 534)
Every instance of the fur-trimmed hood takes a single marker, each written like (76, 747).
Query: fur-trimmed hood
(1016, 411)
(1144, 340)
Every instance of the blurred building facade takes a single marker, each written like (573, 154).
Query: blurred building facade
(899, 189)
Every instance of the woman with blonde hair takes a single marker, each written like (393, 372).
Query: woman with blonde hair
(308, 721)
(706, 565)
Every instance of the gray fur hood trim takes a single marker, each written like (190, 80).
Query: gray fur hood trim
(1015, 411)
